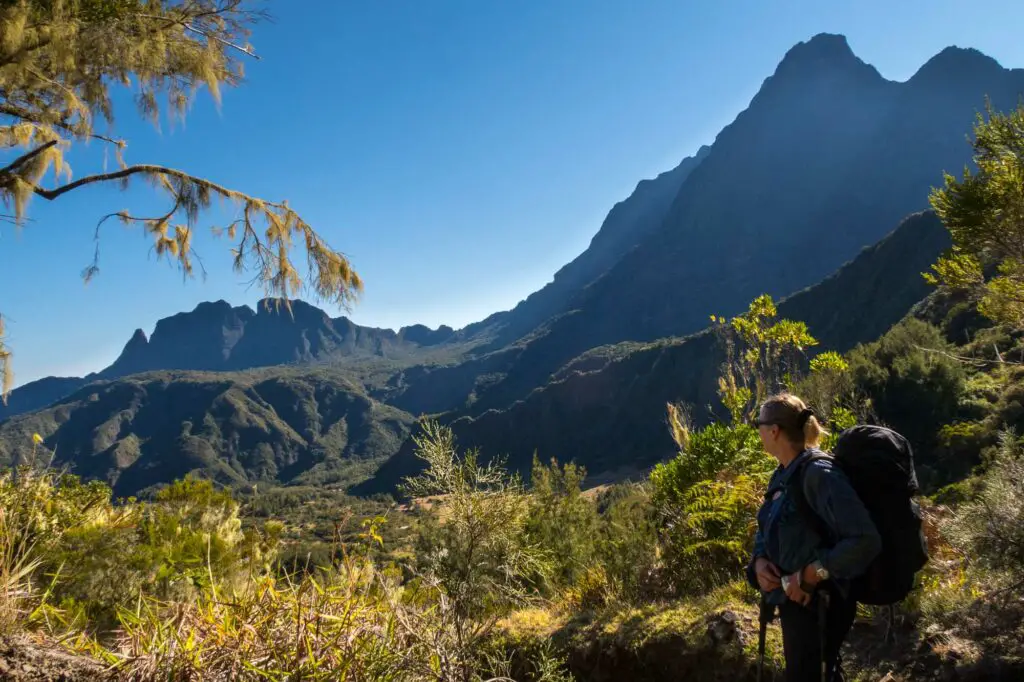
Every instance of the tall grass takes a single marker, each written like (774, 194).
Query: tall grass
(16, 571)
(340, 627)
(175, 589)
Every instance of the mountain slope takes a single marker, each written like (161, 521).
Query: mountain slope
(606, 409)
(626, 225)
(826, 156)
(238, 428)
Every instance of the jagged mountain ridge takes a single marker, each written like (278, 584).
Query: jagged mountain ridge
(213, 335)
(826, 158)
(217, 336)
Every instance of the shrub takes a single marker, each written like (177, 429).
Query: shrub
(478, 563)
(915, 386)
(627, 541)
(706, 454)
(706, 499)
(709, 536)
(344, 626)
(561, 521)
(991, 526)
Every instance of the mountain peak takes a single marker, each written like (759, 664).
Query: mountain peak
(824, 61)
(138, 339)
(826, 43)
(280, 306)
(831, 47)
(823, 53)
(956, 63)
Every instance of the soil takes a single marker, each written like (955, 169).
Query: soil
(24, 658)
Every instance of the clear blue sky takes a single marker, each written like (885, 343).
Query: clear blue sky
(459, 151)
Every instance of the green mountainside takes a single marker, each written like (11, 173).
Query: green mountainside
(238, 428)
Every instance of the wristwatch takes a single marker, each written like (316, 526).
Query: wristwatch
(820, 571)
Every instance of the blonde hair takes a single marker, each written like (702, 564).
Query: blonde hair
(797, 421)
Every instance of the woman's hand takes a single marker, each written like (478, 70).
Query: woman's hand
(809, 576)
(768, 575)
(791, 584)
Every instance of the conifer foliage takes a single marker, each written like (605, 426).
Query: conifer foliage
(984, 213)
(59, 60)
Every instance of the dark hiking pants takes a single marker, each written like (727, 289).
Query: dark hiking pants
(801, 636)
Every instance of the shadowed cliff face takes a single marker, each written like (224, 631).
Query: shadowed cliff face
(607, 411)
(628, 223)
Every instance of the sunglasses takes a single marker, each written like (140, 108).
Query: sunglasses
(757, 423)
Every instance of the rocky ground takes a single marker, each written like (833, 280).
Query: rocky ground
(668, 643)
(25, 658)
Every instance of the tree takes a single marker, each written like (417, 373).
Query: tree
(984, 213)
(561, 520)
(58, 62)
(763, 355)
(480, 562)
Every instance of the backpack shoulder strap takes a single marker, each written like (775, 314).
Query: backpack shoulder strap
(797, 492)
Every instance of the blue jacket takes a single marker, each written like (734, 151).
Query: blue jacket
(791, 541)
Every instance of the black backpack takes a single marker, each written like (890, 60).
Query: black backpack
(880, 466)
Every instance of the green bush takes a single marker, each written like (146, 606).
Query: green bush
(561, 521)
(627, 541)
(706, 454)
(990, 527)
(915, 385)
(706, 499)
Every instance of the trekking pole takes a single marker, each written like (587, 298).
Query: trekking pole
(822, 625)
(765, 615)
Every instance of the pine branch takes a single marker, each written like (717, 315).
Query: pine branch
(206, 34)
(25, 158)
(146, 169)
(7, 109)
(24, 50)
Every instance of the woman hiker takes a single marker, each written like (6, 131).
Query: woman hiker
(801, 567)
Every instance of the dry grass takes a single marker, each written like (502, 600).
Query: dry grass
(340, 627)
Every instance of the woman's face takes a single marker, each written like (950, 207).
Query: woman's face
(770, 433)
